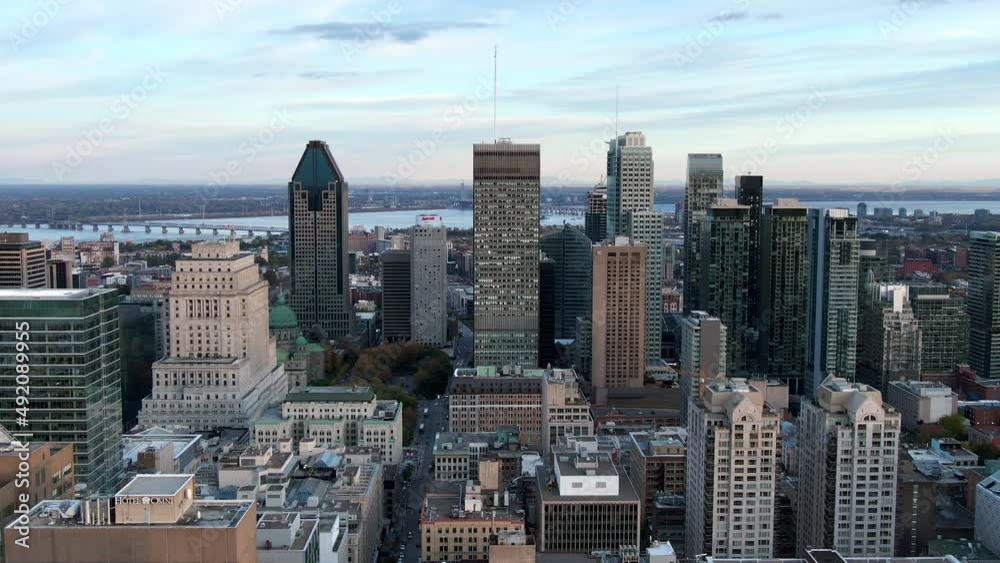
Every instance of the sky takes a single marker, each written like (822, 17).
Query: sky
(853, 92)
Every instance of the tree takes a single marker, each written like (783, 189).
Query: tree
(107, 262)
(953, 426)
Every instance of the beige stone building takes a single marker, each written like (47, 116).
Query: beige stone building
(459, 523)
(50, 473)
(155, 520)
(221, 369)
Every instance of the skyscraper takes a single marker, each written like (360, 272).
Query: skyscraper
(750, 192)
(984, 292)
(726, 279)
(630, 179)
(396, 297)
(546, 312)
(646, 227)
(429, 245)
(618, 333)
(505, 223)
(944, 327)
(890, 339)
(596, 217)
(570, 249)
(317, 224)
(848, 457)
(72, 371)
(22, 262)
(833, 296)
(704, 186)
(222, 368)
(730, 472)
(702, 357)
(784, 294)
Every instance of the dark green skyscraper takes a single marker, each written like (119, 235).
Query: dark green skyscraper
(725, 287)
(570, 250)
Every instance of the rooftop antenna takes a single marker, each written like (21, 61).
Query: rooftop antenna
(494, 92)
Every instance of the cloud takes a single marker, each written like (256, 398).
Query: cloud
(373, 31)
(728, 16)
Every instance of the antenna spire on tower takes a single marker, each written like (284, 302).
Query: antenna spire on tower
(494, 92)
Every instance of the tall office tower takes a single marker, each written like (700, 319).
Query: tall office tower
(22, 262)
(630, 179)
(618, 333)
(73, 372)
(507, 193)
(396, 297)
(848, 456)
(862, 210)
(725, 288)
(944, 327)
(429, 245)
(546, 312)
(669, 261)
(595, 220)
(570, 249)
(702, 357)
(730, 472)
(750, 191)
(646, 227)
(891, 335)
(784, 295)
(983, 297)
(317, 225)
(704, 186)
(833, 296)
(221, 370)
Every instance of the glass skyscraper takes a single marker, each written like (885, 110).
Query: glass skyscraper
(704, 186)
(570, 249)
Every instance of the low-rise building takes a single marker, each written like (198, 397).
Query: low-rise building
(565, 410)
(49, 474)
(585, 503)
(460, 523)
(286, 537)
(988, 513)
(490, 458)
(656, 464)
(154, 518)
(335, 416)
(921, 402)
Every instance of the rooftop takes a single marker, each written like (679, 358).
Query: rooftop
(155, 485)
(50, 294)
(338, 394)
(71, 513)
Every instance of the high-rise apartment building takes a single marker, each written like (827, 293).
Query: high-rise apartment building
(702, 357)
(595, 220)
(396, 298)
(725, 281)
(429, 246)
(505, 223)
(618, 333)
(890, 337)
(944, 327)
(833, 296)
(570, 249)
(750, 192)
(730, 472)
(848, 457)
(646, 227)
(221, 370)
(72, 369)
(784, 294)
(22, 262)
(630, 179)
(984, 303)
(317, 224)
(704, 186)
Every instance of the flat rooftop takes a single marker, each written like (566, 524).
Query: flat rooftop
(626, 492)
(338, 394)
(50, 294)
(201, 514)
(155, 485)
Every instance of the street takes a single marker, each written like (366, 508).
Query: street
(407, 519)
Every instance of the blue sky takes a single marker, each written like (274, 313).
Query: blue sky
(229, 91)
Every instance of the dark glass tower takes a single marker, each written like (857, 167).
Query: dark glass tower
(546, 312)
(396, 296)
(750, 192)
(317, 222)
(570, 249)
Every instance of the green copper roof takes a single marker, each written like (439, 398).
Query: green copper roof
(317, 168)
(282, 316)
